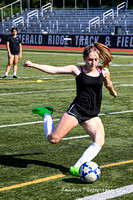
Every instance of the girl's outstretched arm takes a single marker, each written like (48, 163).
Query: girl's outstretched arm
(69, 69)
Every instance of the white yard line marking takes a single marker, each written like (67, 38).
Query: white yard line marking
(123, 85)
(119, 65)
(110, 194)
(62, 90)
(58, 75)
(41, 76)
(121, 56)
(121, 72)
(114, 113)
(114, 64)
(38, 122)
(31, 92)
(22, 124)
(76, 137)
(55, 53)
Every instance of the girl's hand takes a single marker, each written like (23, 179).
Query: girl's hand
(10, 55)
(20, 56)
(113, 94)
(28, 64)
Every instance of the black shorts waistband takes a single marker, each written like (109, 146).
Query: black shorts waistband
(80, 117)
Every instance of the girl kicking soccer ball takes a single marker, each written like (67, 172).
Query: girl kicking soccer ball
(85, 108)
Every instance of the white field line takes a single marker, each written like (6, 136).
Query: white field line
(119, 65)
(121, 72)
(27, 123)
(58, 75)
(110, 194)
(30, 92)
(124, 85)
(62, 90)
(41, 76)
(115, 113)
(76, 137)
(38, 122)
(121, 56)
(113, 64)
(55, 53)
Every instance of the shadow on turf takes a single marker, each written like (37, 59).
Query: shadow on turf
(11, 160)
(73, 180)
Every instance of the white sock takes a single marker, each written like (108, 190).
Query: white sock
(88, 155)
(6, 73)
(48, 124)
(14, 73)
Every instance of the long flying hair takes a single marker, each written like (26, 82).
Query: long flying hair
(102, 50)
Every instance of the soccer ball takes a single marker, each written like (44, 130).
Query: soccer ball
(89, 172)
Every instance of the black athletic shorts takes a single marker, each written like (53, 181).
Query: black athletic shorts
(80, 117)
(15, 53)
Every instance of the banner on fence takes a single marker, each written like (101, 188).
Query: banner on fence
(116, 41)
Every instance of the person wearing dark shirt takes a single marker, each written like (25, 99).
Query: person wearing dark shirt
(14, 48)
(85, 107)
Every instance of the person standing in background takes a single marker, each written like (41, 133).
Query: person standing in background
(14, 48)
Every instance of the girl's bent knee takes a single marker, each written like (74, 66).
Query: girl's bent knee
(102, 142)
(53, 140)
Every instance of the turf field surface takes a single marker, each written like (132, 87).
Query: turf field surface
(30, 167)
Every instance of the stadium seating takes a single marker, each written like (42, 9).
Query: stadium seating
(70, 21)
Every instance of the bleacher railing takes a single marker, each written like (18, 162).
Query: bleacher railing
(18, 20)
(45, 7)
(120, 6)
(53, 25)
(11, 6)
(31, 14)
(93, 21)
(108, 13)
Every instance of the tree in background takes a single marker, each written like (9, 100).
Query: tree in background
(69, 3)
(36, 3)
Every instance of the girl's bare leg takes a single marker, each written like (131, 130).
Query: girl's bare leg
(65, 124)
(95, 129)
(10, 62)
(15, 62)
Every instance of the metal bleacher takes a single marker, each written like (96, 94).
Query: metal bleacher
(71, 21)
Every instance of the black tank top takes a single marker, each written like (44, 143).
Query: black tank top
(89, 93)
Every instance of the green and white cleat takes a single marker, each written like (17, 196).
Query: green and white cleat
(74, 171)
(43, 110)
